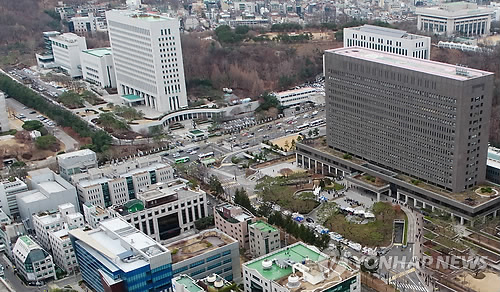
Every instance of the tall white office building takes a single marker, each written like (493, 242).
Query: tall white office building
(4, 117)
(148, 59)
(66, 49)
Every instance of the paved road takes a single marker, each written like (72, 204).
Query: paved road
(14, 281)
(70, 144)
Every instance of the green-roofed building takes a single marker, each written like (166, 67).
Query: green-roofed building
(32, 261)
(98, 68)
(133, 206)
(300, 267)
(264, 238)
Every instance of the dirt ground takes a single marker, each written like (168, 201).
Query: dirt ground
(281, 141)
(10, 148)
(490, 283)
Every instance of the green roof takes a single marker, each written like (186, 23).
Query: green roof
(297, 253)
(132, 97)
(196, 132)
(189, 284)
(134, 205)
(27, 240)
(263, 226)
(98, 52)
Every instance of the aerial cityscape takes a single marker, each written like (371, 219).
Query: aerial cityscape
(249, 146)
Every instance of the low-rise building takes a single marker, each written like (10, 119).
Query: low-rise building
(98, 68)
(76, 162)
(201, 255)
(164, 210)
(66, 49)
(264, 238)
(83, 24)
(9, 233)
(4, 117)
(457, 18)
(493, 165)
(8, 190)
(296, 97)
(62, 250)
(300, 267)
(212, 283)
(47, 222)
(118, 257)
(94, 214)
(388, 40)
(47, 191)
(117, 184)
(33, 262)
(234, 220)
(46, 58)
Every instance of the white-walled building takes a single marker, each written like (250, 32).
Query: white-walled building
(83, 24)
(47, 191)
(9, 233)
(66, 217)
(456, 18)
(388, 40)
(4, 117)
(147, 55)
(66, 49)
(32, 261)
(46, 58)
(8, 190)
(119, 183)
(164, 210)
(94, 214)
(98, 68)
(75, 162)
(296, 97)
(62, 250)
(264, 238)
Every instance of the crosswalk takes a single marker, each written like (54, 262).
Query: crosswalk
(409, 287)
(229, 183)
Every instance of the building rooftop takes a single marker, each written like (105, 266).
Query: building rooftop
(48, 217)
(62, 234)
(263, 226)
(389, 32)
(236, 213)
(118, 244)
(28, 242)
(198, 244)
(51, 186)
(414, 64)
(33, 196)
(455, 9)
(293, 91)
(141, 15)
(188, 283)
(67, 37)
(78, 153)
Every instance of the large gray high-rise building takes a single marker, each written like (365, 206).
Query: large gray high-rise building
(421, 118)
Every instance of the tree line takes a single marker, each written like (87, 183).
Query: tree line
(64, 118)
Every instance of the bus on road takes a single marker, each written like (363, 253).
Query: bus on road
(303, 126)
(317, 122)
(205, 155)
(182, 160)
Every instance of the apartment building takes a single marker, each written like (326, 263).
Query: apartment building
(8, 190)
(264, 238)
(455, 19)
(221, 256)
(417, 125)
(66, 217)
(4, 117)
(388, 40)
(300, 267)
(75, 162)
(147, 55)
(62, 250)
(98, 67)
(118, 257)
(47, 191)
(164, 210)
(32, 261)
(234, 220)
(66, 48)
(118, 183)
(94, 214)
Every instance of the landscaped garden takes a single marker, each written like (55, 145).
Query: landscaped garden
(375, 233)
(280, 190)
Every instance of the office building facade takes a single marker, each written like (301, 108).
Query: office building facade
(388, 40)
(264, 238)
(234, 220)
(118, 257)
(148, 62)
(32, 261)
(455, 19)
(75, 162)
(94, 214)
(162, 211)
(62, 251)
(98, 68)
(119, 183)
(8, 190)
(66, 49)
(421, 118)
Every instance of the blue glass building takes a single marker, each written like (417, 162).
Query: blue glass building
(118, 257)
